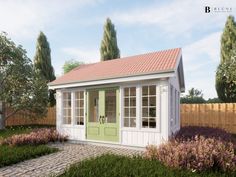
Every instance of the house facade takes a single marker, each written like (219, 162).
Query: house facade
(133, 101)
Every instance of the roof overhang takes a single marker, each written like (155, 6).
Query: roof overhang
(180, 72)
(166, 74)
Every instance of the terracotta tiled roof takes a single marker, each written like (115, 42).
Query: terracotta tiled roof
(155, 62)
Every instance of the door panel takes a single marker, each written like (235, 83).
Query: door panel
(103, 114)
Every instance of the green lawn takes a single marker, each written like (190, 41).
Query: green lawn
(120, 166)
(11, 155)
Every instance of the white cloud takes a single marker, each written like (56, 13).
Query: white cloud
(82, 54)
(23, 19)
(202, 52)
(177, 17)
(200, 61)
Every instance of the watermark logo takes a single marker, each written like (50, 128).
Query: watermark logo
(209, 9)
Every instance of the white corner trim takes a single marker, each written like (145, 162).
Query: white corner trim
(116, 80)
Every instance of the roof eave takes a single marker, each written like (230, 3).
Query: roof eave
(169, 73)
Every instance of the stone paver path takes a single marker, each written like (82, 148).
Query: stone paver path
(56, 163)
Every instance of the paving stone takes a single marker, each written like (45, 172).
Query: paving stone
(56, 163)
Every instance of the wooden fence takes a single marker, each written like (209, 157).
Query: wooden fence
(221, 115)
(21, 118)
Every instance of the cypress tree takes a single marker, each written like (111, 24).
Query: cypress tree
(109, 49)
(225, 77)
(43, 65)
(228, 40)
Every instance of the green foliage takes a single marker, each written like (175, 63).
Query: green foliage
(226, 80)
(43, 65)
(109, 48)
(119, 166)
(193, 96)
(228, 40)
(10, 155)
(21, 87)
(226, 71)
(214, 100)
(70, 65)
(14, 131)
(20, 129)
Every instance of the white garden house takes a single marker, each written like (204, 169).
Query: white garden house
(131, 101)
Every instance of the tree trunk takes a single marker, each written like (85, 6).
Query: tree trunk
(2, 115)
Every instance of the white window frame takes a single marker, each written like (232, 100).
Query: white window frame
(76, 107)
(73, 120)
(63, 99)
(157, 118)
(123, 108)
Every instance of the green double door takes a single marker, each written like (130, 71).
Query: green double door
(103, 114)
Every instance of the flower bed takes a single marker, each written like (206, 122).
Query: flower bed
(36, 137)
(197, 149)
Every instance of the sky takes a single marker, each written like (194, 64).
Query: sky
(74, 29)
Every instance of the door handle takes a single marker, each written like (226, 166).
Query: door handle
(103, 119)
(100, 119)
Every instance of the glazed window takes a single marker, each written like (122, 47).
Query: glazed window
(130, 107)
(67, 108)
(149, 106)
(79, 107)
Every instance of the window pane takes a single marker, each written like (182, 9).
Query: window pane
(126, 91)
(126, 102)
(132, 112)
(76, 95)
(132, 101)
(66, 95)
(81, 95)
(133, 91)
(145, 101)
(76, 112)
(110, 106)
(67, 103)
(64, 112)
(81, 112)
(145, 122)
(67, 120)
(152, 90)
(145, 90)
(152, 112)
(81, 103)
(152, 123)
(145, 112)
(126, 112)
(81, 121)
(132, 122)
(126, 122)
(67, 112)
(93, 102)
(152, 101)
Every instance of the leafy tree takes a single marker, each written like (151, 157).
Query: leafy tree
(22, 89)
(225, 74)
(193, 96)
(71, 64)
(43, 65)
(109, 49)
(226, 80)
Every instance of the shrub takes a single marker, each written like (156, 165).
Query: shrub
(109, 165)
(191, 132)
(39, 136)
(14, 154)
(197, 154)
